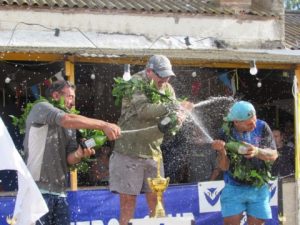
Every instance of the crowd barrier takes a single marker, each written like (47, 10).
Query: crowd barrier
(100, 207)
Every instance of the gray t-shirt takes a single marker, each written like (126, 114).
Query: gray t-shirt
(46, 146)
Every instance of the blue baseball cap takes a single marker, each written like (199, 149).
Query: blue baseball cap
(240, 111)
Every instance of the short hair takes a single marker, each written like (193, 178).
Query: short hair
(58, 86)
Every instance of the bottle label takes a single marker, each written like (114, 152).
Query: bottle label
(90, 143)
(165, 121)
(242, 150)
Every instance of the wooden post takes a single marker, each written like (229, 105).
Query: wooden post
(297, 142)
(70, 73)
(73, 180)
(297, 125)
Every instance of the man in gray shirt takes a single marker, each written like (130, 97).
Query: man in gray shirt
(132, 160)
(50, 147)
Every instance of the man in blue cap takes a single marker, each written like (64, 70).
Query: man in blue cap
(246, 175)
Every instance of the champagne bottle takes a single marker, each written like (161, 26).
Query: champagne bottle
(236, 146)
(96, 140)
(169, 124)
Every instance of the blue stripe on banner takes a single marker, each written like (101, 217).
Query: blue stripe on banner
(7, 205)
(102, 207)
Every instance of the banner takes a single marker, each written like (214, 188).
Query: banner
(198, 201)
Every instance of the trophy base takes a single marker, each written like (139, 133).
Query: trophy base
(164, 221)
(159, 211)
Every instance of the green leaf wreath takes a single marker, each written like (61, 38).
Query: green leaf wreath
(126, 89)
(20, 123)
(242, 169)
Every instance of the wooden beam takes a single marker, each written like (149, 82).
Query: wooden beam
(39, 57)
(184, 62)
(140, 60)
(108, 60)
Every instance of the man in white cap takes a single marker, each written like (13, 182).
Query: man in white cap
(132, 161)
(246, 174)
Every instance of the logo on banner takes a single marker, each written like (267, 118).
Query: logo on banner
(244, 219)
(212, 196)
(209, 193)
(273, 188)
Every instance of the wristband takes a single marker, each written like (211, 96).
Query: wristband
(256, 151)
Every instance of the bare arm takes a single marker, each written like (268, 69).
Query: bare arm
(222, 158)
(268, 153)
(215, 173)
(76, 156)
(265, 154)
(74, 121)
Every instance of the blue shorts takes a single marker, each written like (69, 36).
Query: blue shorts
(252, 200)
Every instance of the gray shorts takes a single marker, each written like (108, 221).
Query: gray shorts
(128, 175)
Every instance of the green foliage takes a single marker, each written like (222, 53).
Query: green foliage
(61, 105)
(292, 4)
(242, 169)
(20, 122)
(125, 89)
(176, 126)
(82, 166)
(98, 135)
(85, 133)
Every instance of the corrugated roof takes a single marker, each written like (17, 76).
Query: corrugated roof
(292, 29)
(151, 6)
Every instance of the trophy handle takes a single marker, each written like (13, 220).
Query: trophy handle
(150, 184)
(168, 180)
(11, 220)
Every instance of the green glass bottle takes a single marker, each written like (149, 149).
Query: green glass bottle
(169, 124)
(96, 140)
(236, 146)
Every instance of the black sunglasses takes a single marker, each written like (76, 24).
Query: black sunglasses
(156, 73)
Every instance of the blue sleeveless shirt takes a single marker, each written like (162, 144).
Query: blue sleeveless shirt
(256, 138)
